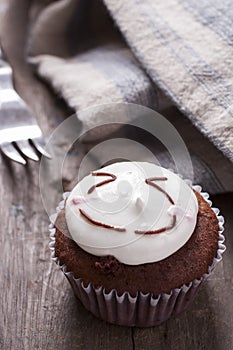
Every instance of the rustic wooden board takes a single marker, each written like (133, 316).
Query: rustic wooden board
(38, 309)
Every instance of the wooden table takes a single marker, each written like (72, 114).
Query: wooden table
(38, 309)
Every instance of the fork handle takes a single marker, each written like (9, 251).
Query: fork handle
(1, 54)
(2, 58)
(6, 73)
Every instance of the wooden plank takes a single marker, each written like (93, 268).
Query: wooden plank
(38, 309)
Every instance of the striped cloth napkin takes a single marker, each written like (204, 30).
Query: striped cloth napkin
(92, 52)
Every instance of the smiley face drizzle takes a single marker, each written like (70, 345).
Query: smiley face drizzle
(102, 224)
(91, 189)
(149, 181)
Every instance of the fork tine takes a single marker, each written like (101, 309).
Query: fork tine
(25, 147)
(39, 145)
(11, 152)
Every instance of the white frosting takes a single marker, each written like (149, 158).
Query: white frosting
(130, 203)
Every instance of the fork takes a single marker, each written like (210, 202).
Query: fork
(20, 135)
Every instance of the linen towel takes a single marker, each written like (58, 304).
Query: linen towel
(102, 69)
(182, 46)
(186, 47)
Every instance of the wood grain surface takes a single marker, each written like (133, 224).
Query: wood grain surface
(37, 307)
(39, 311)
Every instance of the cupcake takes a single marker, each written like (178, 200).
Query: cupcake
(136, 242)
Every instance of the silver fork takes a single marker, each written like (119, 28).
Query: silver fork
(20, 135)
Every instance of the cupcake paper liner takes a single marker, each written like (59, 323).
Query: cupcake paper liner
(142, 310)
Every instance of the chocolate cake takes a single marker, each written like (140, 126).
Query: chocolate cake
(136, 242)
(190, 262)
